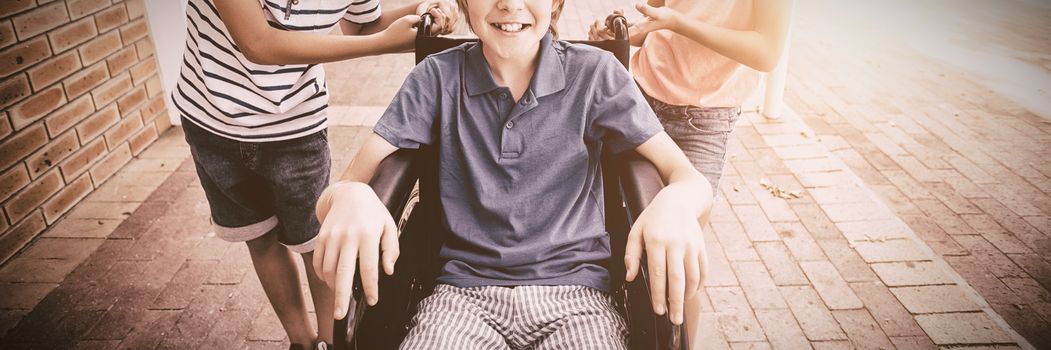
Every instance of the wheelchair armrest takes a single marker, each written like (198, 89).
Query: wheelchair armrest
(640, 182)
(394, 179)
(393, 182)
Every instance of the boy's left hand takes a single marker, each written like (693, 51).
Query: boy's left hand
(446, 14)
(675, 252)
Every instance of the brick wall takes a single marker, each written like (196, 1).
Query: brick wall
(80, 97)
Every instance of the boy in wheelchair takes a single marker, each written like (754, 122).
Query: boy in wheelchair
(523, 119)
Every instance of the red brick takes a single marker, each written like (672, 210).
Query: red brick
(784, 270)
(760, 289)
(782, 330)
(23, 55)
(815, 220)
(85, 157)
(143, 70)
(81, 8)
(1026, 320)
(885, 308)
(13, 240)
(11, 7)
(100, 47)
(11, 181)
(153, 86)
(5, 125)
(133, 31)
(830, 286)
(1036, 266)
(989, 257)
(108, 166)
(71, 35)
(22, 144)
(123, 131)
(815, 319)
(735, 315)
(111, 90)
(143, 139)
(913, 343)
(862, 330)
(131, 101)
(40, 20)
(911, 274)
(153, 108)
(111, 18)
(14, 89)
(53, 70)
(122, 60)
(69, 115)
(731, 236)
(55, 151)
(85, 80)
(136, 8)
(63, 201)
(799, 241)
(33, 195)
(36, 107)
(98, 123)
(162, 123)
(144, 48)
(756, 226)
(962, 328)
(7, 34)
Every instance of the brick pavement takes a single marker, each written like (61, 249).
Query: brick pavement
(956, 158)
(136, 264)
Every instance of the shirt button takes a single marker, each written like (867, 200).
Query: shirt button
(510, 125)
(503, 95)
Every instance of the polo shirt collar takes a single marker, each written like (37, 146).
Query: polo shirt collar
(549, 77)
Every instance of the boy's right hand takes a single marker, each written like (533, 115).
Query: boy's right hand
(355, 226)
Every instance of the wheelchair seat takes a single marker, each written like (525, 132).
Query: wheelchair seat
(630, 183)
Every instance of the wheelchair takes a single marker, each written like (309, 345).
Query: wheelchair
(630, 183)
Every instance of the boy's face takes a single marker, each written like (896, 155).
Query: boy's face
(510, 28)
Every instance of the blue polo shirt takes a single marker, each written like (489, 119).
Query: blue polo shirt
(521, 186)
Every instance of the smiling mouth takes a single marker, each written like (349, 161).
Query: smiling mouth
(511, 27)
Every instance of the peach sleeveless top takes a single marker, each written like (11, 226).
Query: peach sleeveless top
(679, 71)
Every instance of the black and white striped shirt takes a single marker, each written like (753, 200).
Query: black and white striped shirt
(223, 92)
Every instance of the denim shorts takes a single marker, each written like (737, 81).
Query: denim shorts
(254, 188)
(701, 133)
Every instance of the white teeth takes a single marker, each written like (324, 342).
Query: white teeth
(510, 27)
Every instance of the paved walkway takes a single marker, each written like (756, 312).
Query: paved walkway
(914, 228)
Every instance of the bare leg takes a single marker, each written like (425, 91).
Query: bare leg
(324, 300)
(277, 271)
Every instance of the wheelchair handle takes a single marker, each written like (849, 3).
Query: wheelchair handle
(423, 27)
(619, 25)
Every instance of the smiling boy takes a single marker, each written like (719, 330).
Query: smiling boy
(523, 121)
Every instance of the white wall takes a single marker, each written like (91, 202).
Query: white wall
(168, 28)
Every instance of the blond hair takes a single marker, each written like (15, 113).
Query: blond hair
(556, 11)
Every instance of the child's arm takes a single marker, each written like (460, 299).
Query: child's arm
(263, 44)
(599, 31)
(669, 229)
(355, 223)
(759, 48)
(445, 17)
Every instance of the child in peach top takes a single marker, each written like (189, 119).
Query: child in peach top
(698, 61)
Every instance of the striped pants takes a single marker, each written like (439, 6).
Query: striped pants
(525, 317)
